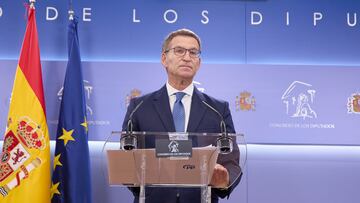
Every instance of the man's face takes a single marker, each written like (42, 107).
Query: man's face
(181, 67)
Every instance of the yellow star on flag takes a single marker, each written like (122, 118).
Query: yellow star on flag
(54, 189)
(66, 136)
(57, 161)
(85, 124)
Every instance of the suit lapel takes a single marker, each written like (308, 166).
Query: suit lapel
(197, 111)
(162, 107)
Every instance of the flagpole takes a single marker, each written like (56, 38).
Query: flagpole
(32, 2)
(71, 11)
(71, 14)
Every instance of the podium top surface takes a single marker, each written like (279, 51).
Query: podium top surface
(114, 133)
(170, 158)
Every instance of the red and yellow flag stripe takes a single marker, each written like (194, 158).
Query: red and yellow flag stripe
(25, 165)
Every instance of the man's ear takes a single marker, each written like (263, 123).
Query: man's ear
(163, 59)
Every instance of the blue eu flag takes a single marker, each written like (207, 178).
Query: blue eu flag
(71, 181)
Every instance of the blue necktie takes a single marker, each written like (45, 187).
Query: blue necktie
(179, 113)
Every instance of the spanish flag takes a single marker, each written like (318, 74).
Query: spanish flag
(25, 158)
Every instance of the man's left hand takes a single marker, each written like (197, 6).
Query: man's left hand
(220, 177)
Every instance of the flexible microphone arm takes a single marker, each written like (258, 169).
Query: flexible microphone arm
(224, 143)
(130, 125)
(129, 141)
(222, 122)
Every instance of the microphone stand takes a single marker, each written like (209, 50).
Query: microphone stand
(129, 141)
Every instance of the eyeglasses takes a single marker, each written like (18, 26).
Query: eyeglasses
(181, 51)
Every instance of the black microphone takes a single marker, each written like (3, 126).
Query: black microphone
(129, 141)
(224, 142)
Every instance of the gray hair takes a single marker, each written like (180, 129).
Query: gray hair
(180, 32)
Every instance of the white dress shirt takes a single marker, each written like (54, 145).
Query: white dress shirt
(186, 100)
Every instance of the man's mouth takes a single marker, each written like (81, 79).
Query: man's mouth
(185, 66)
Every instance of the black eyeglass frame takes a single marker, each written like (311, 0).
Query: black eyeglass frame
(193, 53)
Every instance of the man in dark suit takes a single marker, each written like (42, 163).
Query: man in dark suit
(166, 111)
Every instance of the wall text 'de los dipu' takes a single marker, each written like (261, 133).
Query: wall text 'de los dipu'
(171, 16)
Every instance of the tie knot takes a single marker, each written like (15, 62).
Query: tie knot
(179, 96)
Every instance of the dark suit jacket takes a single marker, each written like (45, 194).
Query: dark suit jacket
(155, 115)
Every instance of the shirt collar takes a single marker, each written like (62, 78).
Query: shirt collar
(171, 90)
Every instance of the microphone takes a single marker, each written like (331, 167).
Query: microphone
(224, 142)
(129, 141)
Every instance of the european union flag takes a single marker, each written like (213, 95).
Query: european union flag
(71, 176)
